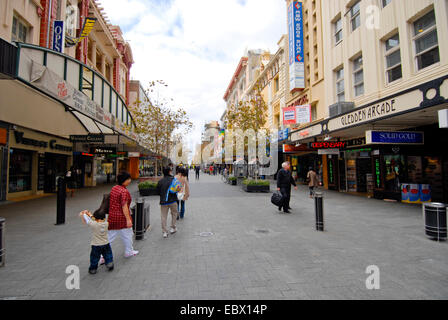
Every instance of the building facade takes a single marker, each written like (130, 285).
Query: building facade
(386, 72)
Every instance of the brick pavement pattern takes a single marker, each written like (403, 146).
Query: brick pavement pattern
(255, 251)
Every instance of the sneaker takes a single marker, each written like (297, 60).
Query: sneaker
(173, 230)
(131, 254)
(92, 271)
(110, 266)
(102, 261)
(165, 235)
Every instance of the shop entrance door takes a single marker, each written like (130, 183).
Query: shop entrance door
(55, 166)
(363, 168)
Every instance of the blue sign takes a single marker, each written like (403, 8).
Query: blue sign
(296, 62)
(283, 134)
(394, 137)
(58, 36)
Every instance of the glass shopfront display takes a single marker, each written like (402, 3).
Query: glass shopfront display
(394, 172)
(20, 170)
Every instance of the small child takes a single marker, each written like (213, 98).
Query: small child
(100, 240)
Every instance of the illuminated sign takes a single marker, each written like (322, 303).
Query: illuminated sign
(296, 55)
(328, 145)
(394, 137)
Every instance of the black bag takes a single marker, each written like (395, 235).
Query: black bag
(277, 199)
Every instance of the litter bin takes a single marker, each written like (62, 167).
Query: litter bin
(2, 242)
(319, 210)
(140, 218)
(434, 215)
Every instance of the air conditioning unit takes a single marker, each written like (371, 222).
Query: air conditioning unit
(340, 108)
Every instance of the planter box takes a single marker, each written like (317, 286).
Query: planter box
(248, 188)
(232, 182)
(148, 192)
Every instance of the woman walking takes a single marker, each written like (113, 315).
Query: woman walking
(183, 178)
(313, 180)
(120, 222)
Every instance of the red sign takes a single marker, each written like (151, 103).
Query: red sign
(328, 145)
(289, 115)
(288, 148)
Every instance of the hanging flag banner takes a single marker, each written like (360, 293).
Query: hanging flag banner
(87, 27)
(295, 31)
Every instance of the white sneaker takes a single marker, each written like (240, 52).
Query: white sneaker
(131, 254)
(165, 235)
(173, 230)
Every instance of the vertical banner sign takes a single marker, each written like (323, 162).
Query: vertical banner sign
(58, 36)
(296, 63)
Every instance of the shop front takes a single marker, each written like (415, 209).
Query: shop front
(4, 128)
(36, 160)
(301, 159)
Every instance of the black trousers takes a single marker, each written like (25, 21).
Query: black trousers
(197, 175)
(286, 193)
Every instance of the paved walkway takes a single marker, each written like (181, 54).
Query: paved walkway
(255, 252)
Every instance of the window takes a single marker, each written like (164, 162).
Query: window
(393, 59)
(19, 30)
(340, 89)
(355, 15)
(358, 76)
(20, 170)
(385, 2)
(276, 85)
(338, 31)
(426, 41)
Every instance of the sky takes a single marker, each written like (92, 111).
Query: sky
(195, 45)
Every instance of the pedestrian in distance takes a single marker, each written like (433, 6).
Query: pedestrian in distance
(100, 245)
(313, 180)
(120, 221)
(185, 192)
(167, 188)
(284, 182)
(71, 180)
(197, 169)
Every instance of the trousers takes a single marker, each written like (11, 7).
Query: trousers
(286, 193)
(126, 236)
(164, 213)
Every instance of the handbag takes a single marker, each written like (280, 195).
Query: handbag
(277, 198)
(181, 194)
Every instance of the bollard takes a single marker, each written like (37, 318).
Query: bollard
(60, 204)
(319, 209)
(2, 242)
(139, 219)
(434, 215)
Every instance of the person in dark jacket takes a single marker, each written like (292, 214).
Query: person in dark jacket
(284, 182)
(167, 188)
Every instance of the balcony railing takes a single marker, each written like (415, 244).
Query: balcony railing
(76, 85)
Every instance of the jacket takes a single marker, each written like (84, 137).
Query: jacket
(167, 188)
(285, 179)
(313, 179)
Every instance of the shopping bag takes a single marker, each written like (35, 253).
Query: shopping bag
(277, 199)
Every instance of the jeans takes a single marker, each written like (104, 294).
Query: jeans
(181, 208)
(97, 252)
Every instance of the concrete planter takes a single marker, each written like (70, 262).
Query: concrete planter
(148, 192)
(249, 188)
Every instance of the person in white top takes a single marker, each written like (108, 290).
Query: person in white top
(100, 240)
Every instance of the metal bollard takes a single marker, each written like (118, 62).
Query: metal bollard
(319, 209)
(2, 242)
(60, 205)
(139, 219)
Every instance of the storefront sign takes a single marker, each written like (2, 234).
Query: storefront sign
(97, 138)
(296, 61)
(133, 154)
(58, 36)
(355, 142)
(328, 145)
(289, 115)
(309, 132)
(3, 136)
(394, 137)
(103, 150)
(328, 151)
(52, 144)
(288, 148)
(283, 134)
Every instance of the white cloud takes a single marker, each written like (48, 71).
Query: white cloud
(195, 45)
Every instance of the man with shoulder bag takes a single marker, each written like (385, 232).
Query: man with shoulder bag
(284, 182)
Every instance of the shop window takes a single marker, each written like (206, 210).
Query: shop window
(20, 169)
(426, 41)
(393, 59)
(355, 15)
(19, 29)
(394, 175)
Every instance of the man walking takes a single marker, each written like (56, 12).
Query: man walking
(313, 180)
(197, 169)
(284, 181)
(167, 188)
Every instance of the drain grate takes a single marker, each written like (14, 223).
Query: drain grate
(206, 234)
